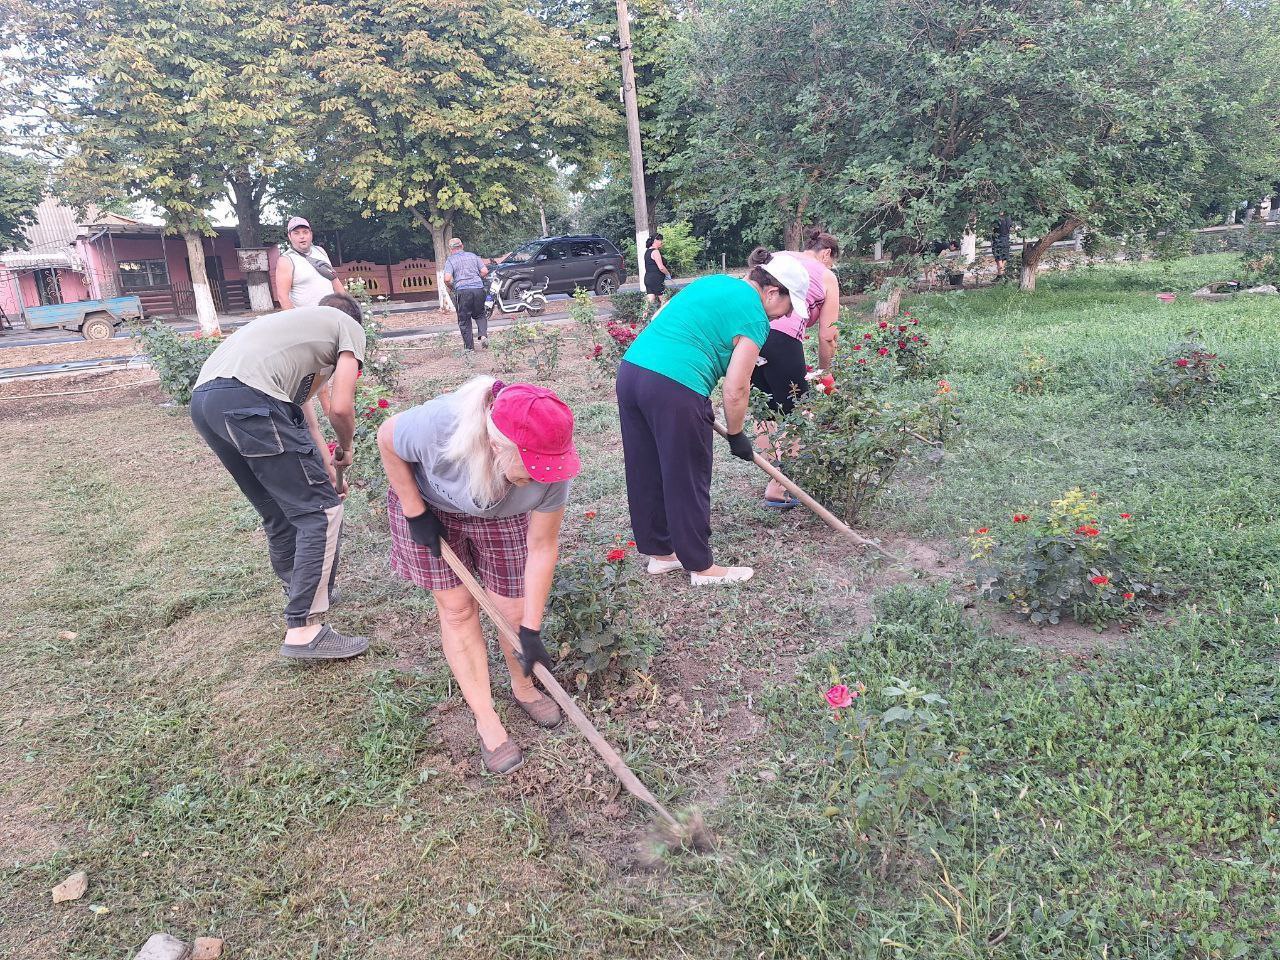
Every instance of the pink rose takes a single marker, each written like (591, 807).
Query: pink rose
(839, 696)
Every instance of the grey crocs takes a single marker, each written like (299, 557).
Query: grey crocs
(328, 644)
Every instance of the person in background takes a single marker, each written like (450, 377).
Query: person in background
(781, 370)
(488, 469)
(252, 406)
(304, 274)
(656, 273)
(464, 273)
(714, 329)
(1000, 242)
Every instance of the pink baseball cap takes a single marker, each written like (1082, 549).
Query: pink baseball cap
(540, 424)
(297, 222)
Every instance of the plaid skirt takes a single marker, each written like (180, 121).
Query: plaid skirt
(494, 550)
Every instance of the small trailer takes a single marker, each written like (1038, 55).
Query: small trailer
(92, 319)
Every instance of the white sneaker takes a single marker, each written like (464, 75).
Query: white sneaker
(663, 566)
(730, 575)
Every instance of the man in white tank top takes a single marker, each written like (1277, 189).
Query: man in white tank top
(304, 275)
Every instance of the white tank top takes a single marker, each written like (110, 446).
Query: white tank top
(309, 288)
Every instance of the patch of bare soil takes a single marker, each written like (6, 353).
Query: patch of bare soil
(120, 346)
(74, 393)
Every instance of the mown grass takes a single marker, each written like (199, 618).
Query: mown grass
(1117, 804)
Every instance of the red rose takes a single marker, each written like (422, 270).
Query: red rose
(1020, 518)
(1087, 531)
(902, 328)
(982, 530)
(883, 351)
(631, 543)
(828, 384)
(915, 339)
(857, 346)
(333, 445)
(866, 336)
(901, 345)
(597, 351)
(884, 325)
(1183, 362)
(863, 360)
(1125, 516)
(808, 368)
(915, 323)
(1099, 580)
(382, 402)
(615, 556)
(590, 514)
(1128, 596)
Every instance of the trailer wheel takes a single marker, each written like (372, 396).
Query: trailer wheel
(98, 326)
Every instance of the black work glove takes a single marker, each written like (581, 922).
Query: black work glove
(426, 529)
(741, 446)
(532, 650)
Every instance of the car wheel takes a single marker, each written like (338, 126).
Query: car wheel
(98, 327)
(606, 284)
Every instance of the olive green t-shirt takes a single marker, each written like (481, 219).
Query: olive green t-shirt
(691, 339)
(283, 353)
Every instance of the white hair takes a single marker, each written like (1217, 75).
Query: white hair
(478, 445)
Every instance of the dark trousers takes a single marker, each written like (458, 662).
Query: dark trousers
(666, 449)
(266, 447)
(470, 304)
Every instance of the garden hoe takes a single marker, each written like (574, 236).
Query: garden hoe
(825, 515)
(688, 831)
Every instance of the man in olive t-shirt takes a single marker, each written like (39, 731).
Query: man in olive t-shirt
(252, 405)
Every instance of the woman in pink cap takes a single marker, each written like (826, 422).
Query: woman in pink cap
(488, 469)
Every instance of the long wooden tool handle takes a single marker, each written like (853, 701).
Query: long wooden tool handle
(825, 515)
(338, 472)
(558, 693)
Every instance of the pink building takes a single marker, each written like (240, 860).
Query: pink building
(68, 260)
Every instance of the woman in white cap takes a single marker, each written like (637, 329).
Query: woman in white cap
(304, 273)
(713, 329)
(488, 469)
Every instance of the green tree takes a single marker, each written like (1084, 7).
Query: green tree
(904, 121)
(167, 101)
(22, 182)
(454, 112)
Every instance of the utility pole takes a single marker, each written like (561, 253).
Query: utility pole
(639, 202)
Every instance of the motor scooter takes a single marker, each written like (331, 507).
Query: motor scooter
(531, 300)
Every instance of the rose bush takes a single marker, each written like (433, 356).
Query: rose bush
(1187, 377)
(594, 612)
(1073, 558)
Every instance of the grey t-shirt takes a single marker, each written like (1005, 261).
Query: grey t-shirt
(420, 436)
(465, 269)
(282, 353)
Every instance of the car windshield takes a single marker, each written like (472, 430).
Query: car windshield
(525, 253)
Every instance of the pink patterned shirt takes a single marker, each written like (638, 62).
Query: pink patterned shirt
(795, 324)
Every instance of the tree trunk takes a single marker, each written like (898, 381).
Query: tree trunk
(206, 312)
(1034, 251)
(441, 232)
(245, 192)
(969, 246)
(888, 308)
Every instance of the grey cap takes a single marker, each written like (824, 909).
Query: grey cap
(297, 222)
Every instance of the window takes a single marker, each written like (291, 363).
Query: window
(584, 248)
(525, 253)
(48, 287)
(556, 251)
(140, 274)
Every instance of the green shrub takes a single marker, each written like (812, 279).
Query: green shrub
(856, 276)
(1067, 559)
(1036, 376)
(1188, 376)
(897, 349)
(175, 357)
(850, 441)
(527, 344)
(630, 307)
(1260, 249)
(373, 409)
(593, 614)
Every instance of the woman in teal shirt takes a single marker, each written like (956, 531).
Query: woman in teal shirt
(714, 328)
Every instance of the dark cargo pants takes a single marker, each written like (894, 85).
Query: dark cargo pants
(265, 445)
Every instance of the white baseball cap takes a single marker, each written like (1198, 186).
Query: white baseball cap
(787, 269)
(297, 222)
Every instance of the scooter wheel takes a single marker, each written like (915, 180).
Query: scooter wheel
(535, 307)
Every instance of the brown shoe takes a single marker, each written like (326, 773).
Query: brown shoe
(503, 758)
(542, 711)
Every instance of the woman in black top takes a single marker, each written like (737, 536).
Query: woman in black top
(656, 273)
(1000, 242)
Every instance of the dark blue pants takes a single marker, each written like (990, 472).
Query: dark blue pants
(666, 449)
(266, 447)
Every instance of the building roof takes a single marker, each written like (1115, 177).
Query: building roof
(41, 259)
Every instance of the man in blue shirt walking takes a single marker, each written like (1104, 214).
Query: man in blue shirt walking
(465, 273)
